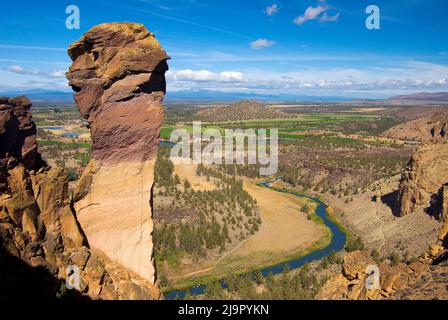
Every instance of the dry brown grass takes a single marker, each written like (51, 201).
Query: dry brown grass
(285, 231)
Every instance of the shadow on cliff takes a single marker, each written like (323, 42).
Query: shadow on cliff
(442, 259)
(157, 82)
(20, 281)
(390, 200)
(435, 208)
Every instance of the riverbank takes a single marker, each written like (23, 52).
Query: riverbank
(333, 241)
(286, 233)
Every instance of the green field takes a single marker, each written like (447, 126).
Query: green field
(288, 128)
(72, 145)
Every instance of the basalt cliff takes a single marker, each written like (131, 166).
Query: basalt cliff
(423, 188)
(429, 128)
(104, 229)
(424, 185)
(118, 73)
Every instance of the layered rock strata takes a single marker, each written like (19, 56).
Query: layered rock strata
(39, 234)
(118, 73)
(423, 179)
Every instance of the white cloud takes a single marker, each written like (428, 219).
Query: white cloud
(261, 43)
(189, 75)
(19, 70)
(271, 10)
(227, 76)
(368, 82)
(36, 72)
(16, 69)
(328, 18)
(200, 75)
(57, 74)
(313, 13)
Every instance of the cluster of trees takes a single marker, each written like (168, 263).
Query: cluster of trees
(331, 259)
(382, 166)
(293, 176)
(163, 172)
(354, 244)
(72, 174)
(218, 217)
(297, 285)
(82, 157)
(328, 142)
(192, 239)
(244, 170)
(64, 154)
(371, 127)
(339, 173)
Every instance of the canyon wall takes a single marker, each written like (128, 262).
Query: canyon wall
(118, 73)
(430, 128)
(423, 187)
(40, 237)
(423, 180)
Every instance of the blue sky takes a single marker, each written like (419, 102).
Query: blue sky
(293, 47)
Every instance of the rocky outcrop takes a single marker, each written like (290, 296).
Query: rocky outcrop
(118, 73)
(39, 234)
(425, 175)
(431, 128)
(17, 136)
(442, 209)
(356, 273)
(424, 186)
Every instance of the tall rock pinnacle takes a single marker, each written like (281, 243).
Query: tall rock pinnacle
(118, 73)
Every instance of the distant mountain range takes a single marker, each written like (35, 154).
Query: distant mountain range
(66, 97)
(41, 96)
(206, 95)
(423, 96)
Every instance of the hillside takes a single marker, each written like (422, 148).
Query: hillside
(423, 96)
(421, 205)
(240, 111)
(425, 129)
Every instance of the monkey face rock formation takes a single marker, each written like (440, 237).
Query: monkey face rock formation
(118, 73)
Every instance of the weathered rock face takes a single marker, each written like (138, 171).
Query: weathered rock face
(351, 282)
(17, 136)
(118, 72)
(39, 234)
(442, 203)
(425, 176)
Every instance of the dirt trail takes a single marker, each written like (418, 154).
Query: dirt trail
(284, 229)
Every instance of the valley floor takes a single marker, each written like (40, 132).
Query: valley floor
(285, 232)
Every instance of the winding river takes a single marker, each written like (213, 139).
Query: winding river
(337, 243)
